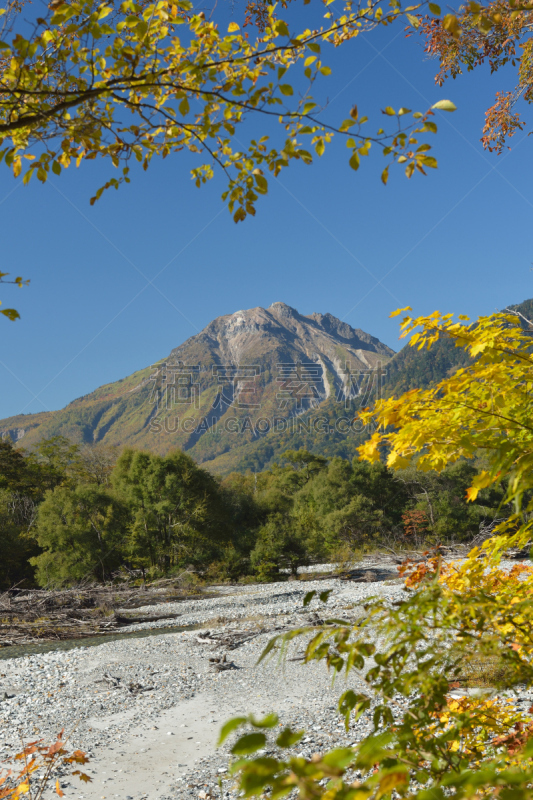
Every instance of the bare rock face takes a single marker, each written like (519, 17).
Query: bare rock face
(15, 434)
(280, 330)
(222, 389)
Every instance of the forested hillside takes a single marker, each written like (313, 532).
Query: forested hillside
(71, 514)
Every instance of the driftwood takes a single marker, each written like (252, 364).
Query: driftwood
(117, 683)
(231, 640)
(368, 575)
(34, 615)
(122, 620)
(221, 664)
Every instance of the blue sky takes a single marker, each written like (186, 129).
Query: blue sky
(116, 286)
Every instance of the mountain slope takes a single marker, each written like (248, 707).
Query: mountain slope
(417, 369)
(249, 386)
(223, 389)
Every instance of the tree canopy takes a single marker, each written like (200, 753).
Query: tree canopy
(139, 80)
(483, 407)
(148, 79)
(497, 33)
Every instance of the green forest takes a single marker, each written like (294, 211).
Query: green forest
(72, 514)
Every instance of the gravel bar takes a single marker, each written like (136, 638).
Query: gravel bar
(148, 711)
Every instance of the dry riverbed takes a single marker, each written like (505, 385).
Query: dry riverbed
(148, 711)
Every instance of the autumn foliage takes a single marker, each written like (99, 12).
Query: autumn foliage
(430, 738)
(39, 762)
(496, 34)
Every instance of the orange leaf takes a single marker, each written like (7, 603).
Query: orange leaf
(55, 748)
(58, 789)
(83, 777)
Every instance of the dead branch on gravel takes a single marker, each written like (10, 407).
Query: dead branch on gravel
(34, 615)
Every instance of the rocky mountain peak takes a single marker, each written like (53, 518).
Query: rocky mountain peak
(250, 366)
(283, 310)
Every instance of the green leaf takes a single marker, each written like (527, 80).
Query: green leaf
(347, 124)
(354, 161)
(10, 313)
(270, 721)
(286, 89)
(445, 105)
(248, 743)
(262, 184)
(450, 23)
(324, 596)
(350, 701)
(270, 646)
(435, 9)
(385, 176)
(320, 147)
(253, 783)
(308, 597)
(281, 28)
(288, 738)
(339, 758)
(485, 24)
(228, 727)
(27, 176)
(184, 107)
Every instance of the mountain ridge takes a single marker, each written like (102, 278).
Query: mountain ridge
(215, 430)
(246, 349)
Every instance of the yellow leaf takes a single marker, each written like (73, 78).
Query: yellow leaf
(445, 105)
(399, 311)
(369, 451)
(450, 23)
(397, 461)
(390, 782)
(481, 481)
(232, 27)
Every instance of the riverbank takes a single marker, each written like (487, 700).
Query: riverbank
(148, 711)
(38, 615)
